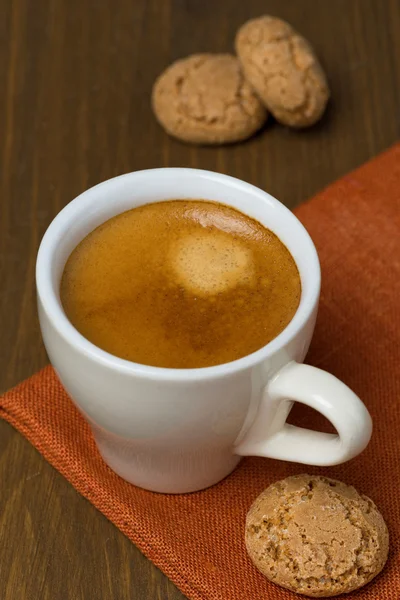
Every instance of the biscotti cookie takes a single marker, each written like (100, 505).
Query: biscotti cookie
(316, 536)
(284, 70)
(204, 99)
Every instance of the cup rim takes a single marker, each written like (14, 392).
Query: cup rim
(55, 313)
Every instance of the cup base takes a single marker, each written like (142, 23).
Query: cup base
(178, 473)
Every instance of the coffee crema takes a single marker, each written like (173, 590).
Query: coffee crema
(180, 284)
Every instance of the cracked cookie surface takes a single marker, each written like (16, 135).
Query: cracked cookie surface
(316, 536)
(205, 99)
(284, 70)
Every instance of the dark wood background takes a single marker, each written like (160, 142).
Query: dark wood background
(75, 81)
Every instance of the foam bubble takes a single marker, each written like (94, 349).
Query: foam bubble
(210, 262)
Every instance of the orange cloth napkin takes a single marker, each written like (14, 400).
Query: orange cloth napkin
(197, 539)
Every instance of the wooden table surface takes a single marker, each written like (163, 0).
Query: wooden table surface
(75, 81)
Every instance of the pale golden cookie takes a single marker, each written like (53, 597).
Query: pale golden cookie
(284, 70)
(316, 536)
(204, 99)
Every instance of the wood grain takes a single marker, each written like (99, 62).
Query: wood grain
(75, 80)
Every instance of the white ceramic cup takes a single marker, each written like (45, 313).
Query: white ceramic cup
(181, 430)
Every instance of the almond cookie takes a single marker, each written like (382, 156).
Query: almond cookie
(283, 69)
(316, 536)
(204, 99)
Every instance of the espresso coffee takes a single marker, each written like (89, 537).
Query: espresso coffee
(180, 284)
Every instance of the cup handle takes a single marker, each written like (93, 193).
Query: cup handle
(270, 436)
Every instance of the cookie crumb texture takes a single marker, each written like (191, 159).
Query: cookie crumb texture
(316, 536)
(204, 99)
(284, 70)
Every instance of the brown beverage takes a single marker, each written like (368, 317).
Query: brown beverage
(180, 284)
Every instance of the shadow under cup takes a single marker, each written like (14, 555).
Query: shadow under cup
(168, 430)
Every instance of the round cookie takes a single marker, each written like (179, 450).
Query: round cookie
(316, 536)
(284, 70)
(204, 99)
